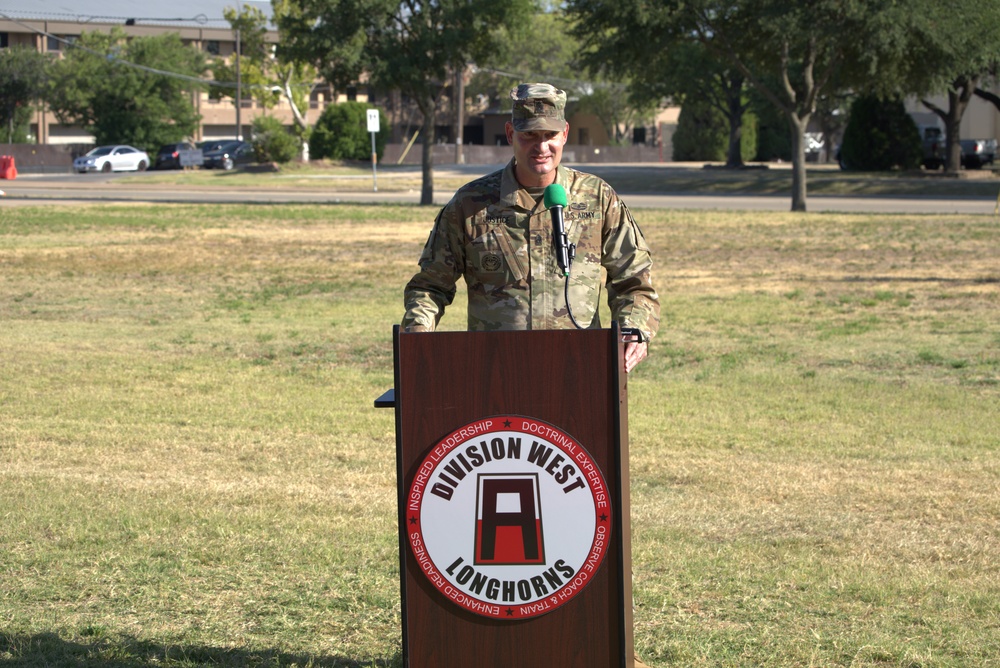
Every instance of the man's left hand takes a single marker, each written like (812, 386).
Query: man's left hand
(635, 352)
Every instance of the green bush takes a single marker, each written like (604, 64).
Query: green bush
(341, 133)
(748, 140)
(880, 136)
(272, 142)
(703, 134)
(774, 138)
(18, 128)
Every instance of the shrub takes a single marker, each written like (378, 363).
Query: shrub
(272, 142)
(774, 140)
(700, 134)
(341, 133)
(880, 136)
(703, 134)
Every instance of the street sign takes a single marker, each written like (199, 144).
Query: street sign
(373, 128)
(191, 157)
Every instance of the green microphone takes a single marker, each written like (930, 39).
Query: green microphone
(554, 200)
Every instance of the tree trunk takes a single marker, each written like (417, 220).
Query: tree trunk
(734, 114)
(798, 126)
(734, 154)
(459, 114)
(427, 189)
(959, 95)
(953, 134)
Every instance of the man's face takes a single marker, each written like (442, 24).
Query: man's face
(537, 154)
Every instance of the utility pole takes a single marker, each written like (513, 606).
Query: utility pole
(239, 83)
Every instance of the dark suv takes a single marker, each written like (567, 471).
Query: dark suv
(169, 155)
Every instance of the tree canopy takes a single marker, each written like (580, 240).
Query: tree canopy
(540, 50)
(135, 91)
(951, 48)
(23, 77)
(790, 52)
(264, 74)
(408, 46)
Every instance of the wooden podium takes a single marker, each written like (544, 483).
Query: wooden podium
(449, 384)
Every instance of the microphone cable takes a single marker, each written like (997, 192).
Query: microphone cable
(569, 307)
(555, 201)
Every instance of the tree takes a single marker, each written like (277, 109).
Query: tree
(262, 72)
(23, 75)
(136, 91)
(643, 46)
(409, 46)
(697, 74)
(540, 50)
(545, 49)
(255, 56)
(790, 52)
(954, 46)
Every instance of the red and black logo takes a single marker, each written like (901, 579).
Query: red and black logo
(509, 517)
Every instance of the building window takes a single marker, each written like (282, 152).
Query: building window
(59, 42)
(4, 40)
(352, 94)
(212, 47)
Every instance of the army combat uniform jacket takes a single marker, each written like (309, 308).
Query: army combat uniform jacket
(495, 235)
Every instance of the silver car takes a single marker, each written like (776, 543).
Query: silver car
(120, 158)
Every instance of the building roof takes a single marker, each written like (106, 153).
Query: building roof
(179, 13)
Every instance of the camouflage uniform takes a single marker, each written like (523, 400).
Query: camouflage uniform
(497, 237)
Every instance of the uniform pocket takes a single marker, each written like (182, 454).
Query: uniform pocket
(491, 254)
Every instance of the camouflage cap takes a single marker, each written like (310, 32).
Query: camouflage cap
(538, 106)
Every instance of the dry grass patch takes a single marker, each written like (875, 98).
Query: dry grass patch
(192, 473)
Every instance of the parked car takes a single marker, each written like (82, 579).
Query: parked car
(120, 158)
(169, 155)
(229, 155)
(212, 144)
(976, 153)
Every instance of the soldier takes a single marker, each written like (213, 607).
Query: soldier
(497, 234)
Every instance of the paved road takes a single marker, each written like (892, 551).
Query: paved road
(69, 189)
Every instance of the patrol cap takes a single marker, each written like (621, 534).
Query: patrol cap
(538, 106)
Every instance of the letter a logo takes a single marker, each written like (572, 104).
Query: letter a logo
(509, 520)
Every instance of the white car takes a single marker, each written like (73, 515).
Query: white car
(112, 159)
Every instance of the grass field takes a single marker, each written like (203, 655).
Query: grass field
(192, 472)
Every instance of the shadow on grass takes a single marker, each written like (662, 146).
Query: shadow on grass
(48, 649)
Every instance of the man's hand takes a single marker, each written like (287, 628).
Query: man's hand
(635, 352)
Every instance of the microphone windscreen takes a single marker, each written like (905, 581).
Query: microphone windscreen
(555, 195)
